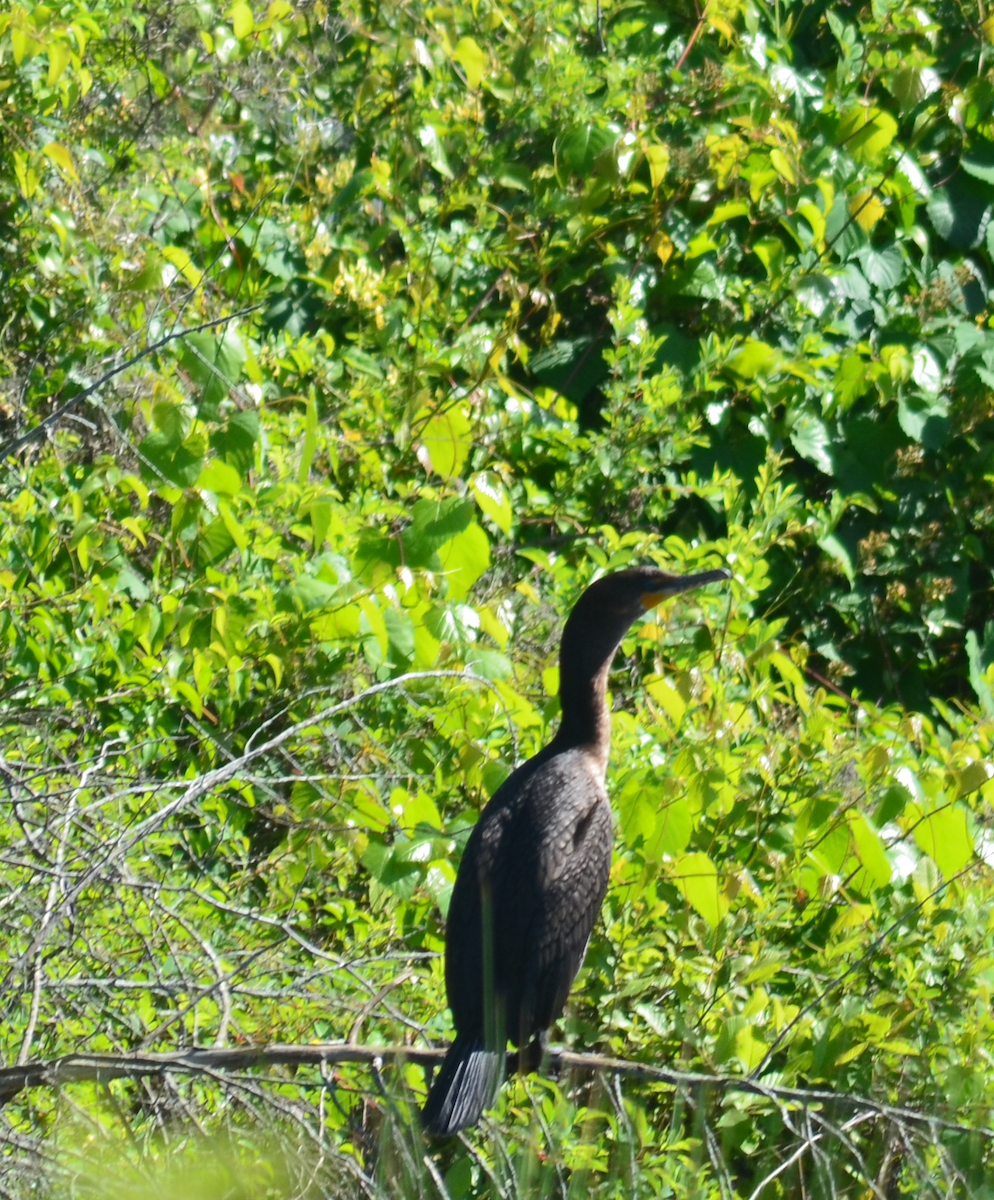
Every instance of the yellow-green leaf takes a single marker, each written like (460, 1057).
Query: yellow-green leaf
(668, 697)
(870, 850)
(782, 165)
(866, 133)
(865, 209)
(815, 218)
(728, 212)
(183, 263)
(447, 440)
(492, 499)
(945, 837)
(242, 21)
(183, 690)
(59, 155)
(134, 526)
(790, 673)
(58, 59)
(233, 525)
(900, 1046)
(419, 810)
(309, 448)
(696, 878)
(23, 45)
(464, 559)
(749, 1047)
(220, 477)
(472, 60)
(973, 776)
(658, 158)
(753, 358)
(28, 178)
(374, 620)
(674, 825)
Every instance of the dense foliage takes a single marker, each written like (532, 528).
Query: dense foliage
(340, 347)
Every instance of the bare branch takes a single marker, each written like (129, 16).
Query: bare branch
(63, 410)
(102, 1068)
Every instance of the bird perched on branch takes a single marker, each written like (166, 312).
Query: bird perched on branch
(535, 868)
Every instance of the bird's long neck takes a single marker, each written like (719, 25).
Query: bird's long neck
(590, 641)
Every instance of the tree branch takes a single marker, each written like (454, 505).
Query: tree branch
(101, 1068)
(63, 410)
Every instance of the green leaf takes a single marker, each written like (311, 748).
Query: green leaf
(883, 268)
(310, 594)
(669, 698)
(658, 158)
(924, 418)
(579, 148)
(491, 664)
(912, 85)
(446, 441)
(162, 459)
(944, 836)
(673, 829)
(978, 161)
(400, 633)
(463, 559)
(236, 442)
(432, 143)
(416, 810)
(217, 476)
(472, 60)
(360, 361)
(979, 674)
(242, 21)
(320, 514)
(960, 211)
(696, 878)
(851, 380)
(492, 499)
(434, 524)
(891, 805)
(866, 133)
(214, 364)
(514, 176)
(231, 522)
(215, 543)
(309, 448)
(811, 440)
(870, 851)
(749, 1047)
(753, 358)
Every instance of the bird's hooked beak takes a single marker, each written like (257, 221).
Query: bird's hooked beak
(674, 584)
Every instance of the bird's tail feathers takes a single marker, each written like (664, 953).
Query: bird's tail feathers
(468, 1083)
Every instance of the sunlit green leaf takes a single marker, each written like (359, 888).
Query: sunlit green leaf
(944, 836)
(696, 877)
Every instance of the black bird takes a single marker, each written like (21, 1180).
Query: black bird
(535, 868)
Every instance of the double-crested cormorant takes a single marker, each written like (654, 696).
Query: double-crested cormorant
(535, 868)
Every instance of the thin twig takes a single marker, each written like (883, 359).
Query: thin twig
(16, 444)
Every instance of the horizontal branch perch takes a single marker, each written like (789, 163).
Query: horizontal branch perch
(101, 1068)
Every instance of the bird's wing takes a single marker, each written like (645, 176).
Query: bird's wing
(534, 872)
(551, 891)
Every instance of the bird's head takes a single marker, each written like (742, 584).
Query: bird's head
(624, 596)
